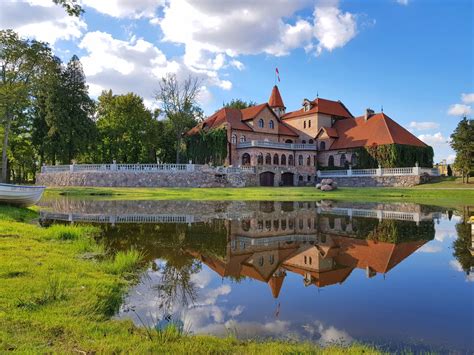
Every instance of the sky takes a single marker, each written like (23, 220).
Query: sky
(413, 58)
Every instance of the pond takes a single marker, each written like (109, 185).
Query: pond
(395, 275)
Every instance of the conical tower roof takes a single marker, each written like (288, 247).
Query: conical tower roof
(275, 283)
(275, 99)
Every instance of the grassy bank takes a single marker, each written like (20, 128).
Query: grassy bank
(58, 292)
(440, 194)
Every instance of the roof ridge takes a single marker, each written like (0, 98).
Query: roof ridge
(386, 125)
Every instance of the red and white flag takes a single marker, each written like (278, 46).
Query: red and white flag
(277, 74)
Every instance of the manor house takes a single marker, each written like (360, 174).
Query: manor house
(286, 148)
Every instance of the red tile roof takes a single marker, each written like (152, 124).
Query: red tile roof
(283, 129)
(379, 129)
(230, 115)
(275, 99)
(334, 108)
(252, 111)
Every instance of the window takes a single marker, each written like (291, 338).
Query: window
(308, 160)
(276, 224)
(283, 224)
(331, 161)
(261, 124)
(353, 159)
(234, 139)
(268, 159)
(303, 141)
(271, 259)
(305, 259)
(311, 141)
(309, 124)
(310, 260)
(246, 159)
(343, 160)
(288, 141)
(283, 159)
(300, 160)
(242, 139)
(246, 225)
(304, 124)
(322, 145)
(260, 261)
(315, 160)
(276, 161)
(268, 225)
(271, 124)
(300, 178)
(291, 161)
(260, 159)
(300, 223)
(309, 178)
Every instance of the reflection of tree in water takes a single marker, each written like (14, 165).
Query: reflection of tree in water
(461, 246)
(176, 286)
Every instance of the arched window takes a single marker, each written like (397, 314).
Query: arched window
(283, 224)
(261, 124)
(234, 139)
(283, 159)
(276, 161)
(242, 139)
(311, 141)
(271, 124)
(246, 159)
(300, 160)
(315, 160)
(291, 160)
(276, 224)
(343, 160)
(308, 160)
(305, 259)
(260, 159)
(268, 225)
(288, 141)
(331, 161)
(303, 141)
(268, 159)
(353, 159)
(322, 146)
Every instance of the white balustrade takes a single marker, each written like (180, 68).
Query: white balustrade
(378, 172)
(117, 167)
(276, 145)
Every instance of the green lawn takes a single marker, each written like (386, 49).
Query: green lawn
(440, 194)
(58, 292)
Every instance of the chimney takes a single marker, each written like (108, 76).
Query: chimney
(368, 112)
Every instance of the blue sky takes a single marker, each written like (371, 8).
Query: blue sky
(413, 57)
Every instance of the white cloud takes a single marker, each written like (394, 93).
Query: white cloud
(333, 28)
(430, 248)
(450, 158)
(402, 2)
(41, 20)
(208, 28)
(433, 139)
(136, 66)
(459, 110)
(423, 126)
(467, 98)
(125, 8)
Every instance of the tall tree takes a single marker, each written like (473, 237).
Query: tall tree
(69, 114)
(179, 104)
(71, 7)
(20, 61)
(127, 129)
(462, 141)
(239, 104)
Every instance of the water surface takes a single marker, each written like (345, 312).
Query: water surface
(396, 275)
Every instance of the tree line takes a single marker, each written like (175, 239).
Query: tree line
(48, 117)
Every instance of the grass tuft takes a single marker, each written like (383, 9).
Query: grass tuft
(124, 262)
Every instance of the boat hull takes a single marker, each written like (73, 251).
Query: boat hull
(20, 195)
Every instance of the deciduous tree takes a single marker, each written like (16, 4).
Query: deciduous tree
(462, 141)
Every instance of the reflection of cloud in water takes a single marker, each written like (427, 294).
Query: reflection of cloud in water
(442, 234)
(456, 265)
(430, 248)
(327, 335)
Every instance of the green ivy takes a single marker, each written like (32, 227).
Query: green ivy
(207, 147)
(394, 156)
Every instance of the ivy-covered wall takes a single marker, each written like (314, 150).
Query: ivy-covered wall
(207, 147)
(394, 156)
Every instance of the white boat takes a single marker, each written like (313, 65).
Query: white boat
(20, 195)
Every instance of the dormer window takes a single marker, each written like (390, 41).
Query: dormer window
(271, 124)
(261, 124)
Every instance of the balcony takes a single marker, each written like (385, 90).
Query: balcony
(276, 145)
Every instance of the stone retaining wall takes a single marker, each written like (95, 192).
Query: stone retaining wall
(383, 181)
(199, 178)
